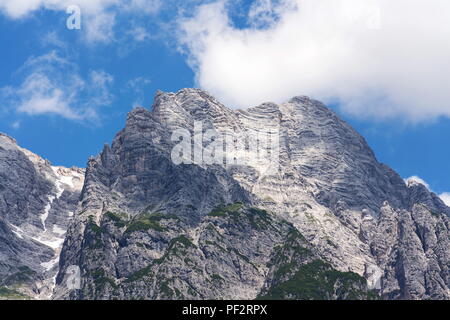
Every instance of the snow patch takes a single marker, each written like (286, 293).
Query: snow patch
(17, 231)
(58, 230)
(50, 264)
(47, 208)
(63, 178)
(53, 243)
(45, 238)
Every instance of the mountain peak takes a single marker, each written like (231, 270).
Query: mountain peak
(313, 183)
(324, 180)
(5, 139)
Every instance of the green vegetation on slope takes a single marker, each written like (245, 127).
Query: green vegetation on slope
(318, 280)
(148, 221)
(101, 278)
(226, 210)
(259, 219)
(93, 234)
(119, 219)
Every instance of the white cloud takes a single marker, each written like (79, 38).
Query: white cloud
(446, 198)
(52, 39)
(16, 125)
(99, 91)
(138, 86)
(39, 95)
(100, 27)
(143, 6)
(264, 13)
(98, 16)
(50, 84)
(139, 34)
(378, 58)
(20, 8)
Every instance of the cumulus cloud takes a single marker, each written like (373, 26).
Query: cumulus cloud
(38, 95)
(50, 84)
(376, 58)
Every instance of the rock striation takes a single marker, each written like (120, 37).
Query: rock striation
(327, 220)
(37, 202)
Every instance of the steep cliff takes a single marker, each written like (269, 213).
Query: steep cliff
(150, 227)
(37, 201)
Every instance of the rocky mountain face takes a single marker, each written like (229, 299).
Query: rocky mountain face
(37, 201)
(325, 220)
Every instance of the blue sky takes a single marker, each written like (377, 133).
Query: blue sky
(64, 93)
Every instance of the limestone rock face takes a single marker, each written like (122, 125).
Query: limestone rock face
(150, 227)
(37, 201)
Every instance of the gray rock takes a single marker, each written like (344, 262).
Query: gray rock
(37, 201)
(143, 227)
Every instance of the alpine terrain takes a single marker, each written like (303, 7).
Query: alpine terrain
(324, 220)
(37, 202)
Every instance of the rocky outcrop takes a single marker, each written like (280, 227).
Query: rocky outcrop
(147, 225)
(37, 201)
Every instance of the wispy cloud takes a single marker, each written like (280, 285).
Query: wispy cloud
(100, 27)
(50, 84)
(98, 17)
(139, 34)
(21, 8)
(52, 39)
(138, 86)
(377, 58)
(38, 95)
(16, 124)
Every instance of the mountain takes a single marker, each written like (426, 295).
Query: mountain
(299, 208)
(37, 201)
(194, 200)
